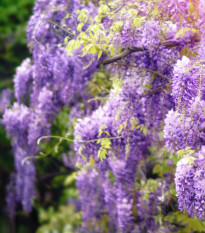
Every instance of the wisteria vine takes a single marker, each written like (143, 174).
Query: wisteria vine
(153, 53)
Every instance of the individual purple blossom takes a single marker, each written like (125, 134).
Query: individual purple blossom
(185, 186)
(201, 20)
(110, 197)
(16, 121)
(176, 11)
(22, 80)
(147, 210)
(25, 177)
(5, 99)
(187, 83)
(190, 183)
(199, 184)
(92, 198)
(46, 104)
(29, 185)
(186, 129)
(39, 126)
(124, 173)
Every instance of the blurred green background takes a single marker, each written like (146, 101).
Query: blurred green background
(14, 16)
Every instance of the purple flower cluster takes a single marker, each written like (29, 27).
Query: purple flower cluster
(92, 198)
(124, 173)
(185, 126)
(190, 184)
(188, 82)
(180, 131)
(147, 211)
(145, 99)
(119, 110)
(179, 11)
(43, 85)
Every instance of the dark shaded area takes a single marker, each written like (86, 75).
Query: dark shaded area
(14, 16)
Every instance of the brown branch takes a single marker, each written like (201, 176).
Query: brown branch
(125, 53)
(130, 50)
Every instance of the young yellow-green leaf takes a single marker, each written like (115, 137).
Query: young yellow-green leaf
(99, 141)
(80, 151)
(83, 36)
(92, 161)
(145, 131)
(106, 143)
(120, 129)
(106, 132)
(78, 137)
(80, 26)
(117, 25)
(181, 32)
(181, 153)
(72, 45)
(111, 50)
(88, 49)
(138, 22)
(189, 160)
(100, 54)
(102, 154)
(70, 179)
(102, 127)
(155, 11)
(104, 9)
(83, 16)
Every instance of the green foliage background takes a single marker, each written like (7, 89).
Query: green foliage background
(14, 16)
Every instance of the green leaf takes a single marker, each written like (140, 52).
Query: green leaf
(78, 137)
(106, 143)
(80, 151)
(138, 21)
(80, 26)
(72, 45)
(103, 127)
(102, 154)
(70, 179)
(117, 25)
(145, 131)
(83, 16)
(120, 129)
(157, 169)
(100, 54)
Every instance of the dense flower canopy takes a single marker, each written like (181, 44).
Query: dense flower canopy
(153, 54)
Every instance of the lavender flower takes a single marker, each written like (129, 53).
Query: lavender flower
(187, 83)
(92, 198)
(22, 80)
(5, 99)
(189, 180)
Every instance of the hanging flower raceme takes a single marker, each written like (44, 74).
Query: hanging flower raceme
(190, 185)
